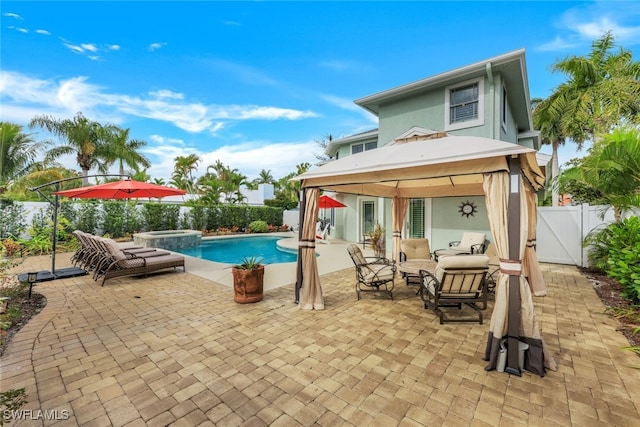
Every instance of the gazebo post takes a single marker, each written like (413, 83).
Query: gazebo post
(513, 219)
(299, 271)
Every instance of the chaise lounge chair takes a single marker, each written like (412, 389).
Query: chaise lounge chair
(119, 264)
(470, 243)
(322, 233)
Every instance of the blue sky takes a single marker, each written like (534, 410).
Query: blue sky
(256, 84)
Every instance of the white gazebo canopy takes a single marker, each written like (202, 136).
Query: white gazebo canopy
(434, 164)
(439, 167)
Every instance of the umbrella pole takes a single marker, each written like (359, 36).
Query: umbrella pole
(54, 232)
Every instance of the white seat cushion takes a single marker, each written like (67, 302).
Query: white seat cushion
(470, 239)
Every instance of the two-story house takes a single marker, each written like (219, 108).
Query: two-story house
(487, 99)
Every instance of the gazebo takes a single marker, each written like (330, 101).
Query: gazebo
(439, 165)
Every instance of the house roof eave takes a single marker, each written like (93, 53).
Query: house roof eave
(372, 102)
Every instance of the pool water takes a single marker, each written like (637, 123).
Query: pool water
(232, 251)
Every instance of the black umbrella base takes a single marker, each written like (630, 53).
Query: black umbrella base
(63, 273)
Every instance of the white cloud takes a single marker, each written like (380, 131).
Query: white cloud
(244, 73)
(43, 32)
(69, 96)
(89, 46)
(22, 30)
(557, 44)
(89, 49)
(156, 46)
(13, 15)
(167, 94)
(247, 157)
(251, 157)
(583, 24)
(74, 48)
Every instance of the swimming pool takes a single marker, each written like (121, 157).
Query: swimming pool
(233, 250)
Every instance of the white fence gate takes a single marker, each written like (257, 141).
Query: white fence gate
(561, 230)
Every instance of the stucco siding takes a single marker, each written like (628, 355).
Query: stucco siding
(448, 224)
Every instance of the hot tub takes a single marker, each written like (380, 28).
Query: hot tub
(168, 239)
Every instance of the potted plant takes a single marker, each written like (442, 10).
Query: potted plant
(376, 235)
(248, 280)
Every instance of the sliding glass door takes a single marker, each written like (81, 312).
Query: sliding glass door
(416, 218)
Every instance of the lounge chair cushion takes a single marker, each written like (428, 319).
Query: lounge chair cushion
(469, 239)
(114, 249)
(453, 264)
(415, 249)
(356, 253)
(378, 272)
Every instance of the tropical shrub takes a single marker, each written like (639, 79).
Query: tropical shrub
(598, 241)
(624, 256)
(10, 248)
(258, 227)
(11, 219)
(88, 216)
(121, 218)
(160, 217)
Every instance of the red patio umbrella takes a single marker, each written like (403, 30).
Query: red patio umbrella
(126, 189)
(328, 202)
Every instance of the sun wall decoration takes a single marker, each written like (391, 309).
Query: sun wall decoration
(468, 208)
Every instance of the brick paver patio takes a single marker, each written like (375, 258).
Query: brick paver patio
(174, 349)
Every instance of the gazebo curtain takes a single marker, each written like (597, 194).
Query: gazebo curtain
(309, 284)
(530, 265)
(399, 209)
(497, 189)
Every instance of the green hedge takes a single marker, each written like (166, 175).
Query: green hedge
(230, 216)
(624, 256)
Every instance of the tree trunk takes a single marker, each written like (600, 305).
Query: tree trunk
(555, 171)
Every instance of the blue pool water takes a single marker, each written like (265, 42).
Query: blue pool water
(232, 251)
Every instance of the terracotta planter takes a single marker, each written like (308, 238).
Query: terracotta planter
(248, 284)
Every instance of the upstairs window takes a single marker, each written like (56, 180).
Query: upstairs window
(504, 108)
(359, 148)
(464, 105)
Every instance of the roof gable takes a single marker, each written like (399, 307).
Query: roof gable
(511, 66)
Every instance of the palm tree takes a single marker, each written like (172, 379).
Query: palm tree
(291, 189)
(264, 177)
(84, 138)
(45, 172)
(611, 170)
(123, 150)
(549, 125)
(184, 167)
(141, 175)
(18, 151)
(603, 90)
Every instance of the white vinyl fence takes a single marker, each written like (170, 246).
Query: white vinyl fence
(561, 230)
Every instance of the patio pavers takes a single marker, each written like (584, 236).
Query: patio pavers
(174, 349)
